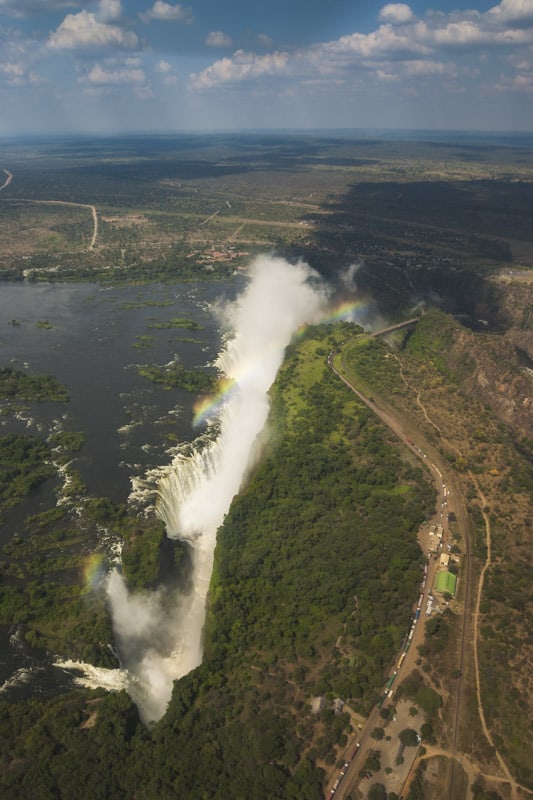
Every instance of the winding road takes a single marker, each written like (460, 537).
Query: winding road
(443, 477)
(9, 178)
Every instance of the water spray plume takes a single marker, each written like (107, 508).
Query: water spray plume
(159, 635)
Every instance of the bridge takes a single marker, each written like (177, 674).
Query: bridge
(406, 324)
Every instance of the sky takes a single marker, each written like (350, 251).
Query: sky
(116, 66)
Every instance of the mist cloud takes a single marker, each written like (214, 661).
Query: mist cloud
(159, 635)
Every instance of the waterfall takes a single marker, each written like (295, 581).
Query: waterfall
(159, 636)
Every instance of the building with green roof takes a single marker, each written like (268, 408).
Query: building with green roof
(446, 582)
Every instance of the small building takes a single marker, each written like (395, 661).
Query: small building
(444, 559)
(446, 582)
(338, 705)
(318, 704)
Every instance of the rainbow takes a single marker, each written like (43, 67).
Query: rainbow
(94, 570)
(348, 311)
(209, 406)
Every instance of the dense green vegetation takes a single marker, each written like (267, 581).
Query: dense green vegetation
(424, 696)
(177, 322)
(43, 591)
(336, 496)
(19, 385)
(24, 464)
(69, 440)
(174, 375)
(316, 570)
(145, 542)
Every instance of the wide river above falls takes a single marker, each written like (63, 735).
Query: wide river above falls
(93, 338)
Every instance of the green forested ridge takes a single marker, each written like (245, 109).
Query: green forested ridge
(316, 570)
(321, 543)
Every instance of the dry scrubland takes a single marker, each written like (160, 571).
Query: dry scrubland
(171, 208)
(432, 381)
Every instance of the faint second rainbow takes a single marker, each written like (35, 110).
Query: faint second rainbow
(94, 571)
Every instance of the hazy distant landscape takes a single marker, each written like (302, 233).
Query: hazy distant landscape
(316, 637)
(190, 206)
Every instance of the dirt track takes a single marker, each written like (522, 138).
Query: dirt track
(469, 628)
(9, 178)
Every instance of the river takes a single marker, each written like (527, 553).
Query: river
(92, 338)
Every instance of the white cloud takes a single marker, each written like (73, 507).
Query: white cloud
(400, 45)
(518, 83)
(386, 41)
(460, 34)
(83, 30)
(240, 67)
(264, 40)
(430, 54)
(475, 32)
(110, 10)
(389, 77)
(17, 74)
(14, 70)
(396, 12)
(513, 11)
(26, 8)
(168, 13)
(426, 67)
(100, 76)
(218, 39)
(170, 77)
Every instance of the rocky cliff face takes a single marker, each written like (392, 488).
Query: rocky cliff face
(500, 366)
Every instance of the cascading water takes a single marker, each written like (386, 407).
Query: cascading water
(159, 636)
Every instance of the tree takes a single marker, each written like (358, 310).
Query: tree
(409, 737)
(428, 699)
(377, 792)
(373, 761)
(426, 731)
(378, 733)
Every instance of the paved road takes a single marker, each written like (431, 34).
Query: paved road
(450, 498)
(9, 178)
